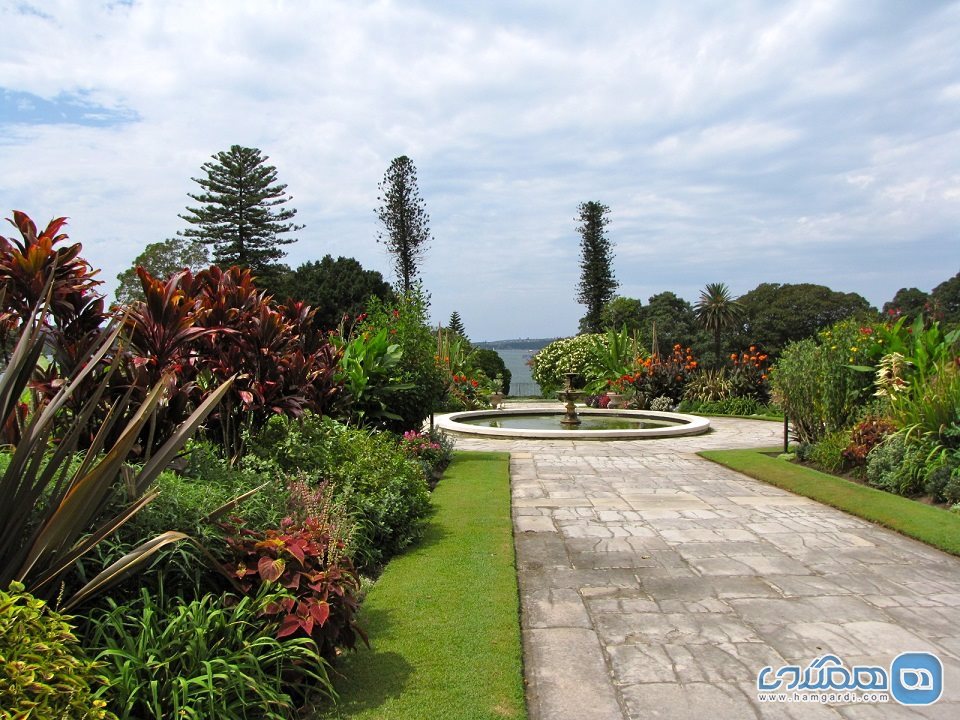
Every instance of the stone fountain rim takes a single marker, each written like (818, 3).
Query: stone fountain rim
(693, 425)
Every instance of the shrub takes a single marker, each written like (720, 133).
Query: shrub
(433, 450)
(896, 466)
(662, 404)
(828, 451)
(212, 657)
(381, 489)
(567, 355)
(304, 560)
(819, 383)
(43, 672)
(708, 386)
(663, 377)
(866, 435)
(422, 379)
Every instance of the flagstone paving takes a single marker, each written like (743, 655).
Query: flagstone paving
(655, 584)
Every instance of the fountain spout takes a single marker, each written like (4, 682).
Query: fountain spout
(568, 395)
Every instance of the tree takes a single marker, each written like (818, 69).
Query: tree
(716, 311)
(946, 300)
(333, 288)
(597, 283)
(675, 324)
(775, 314)
(623, 312)
(240, 213)
(492, 364)
(456, 325)
(908, 301)
(161, 260)
(403, 215)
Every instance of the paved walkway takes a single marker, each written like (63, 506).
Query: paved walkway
(655, 584)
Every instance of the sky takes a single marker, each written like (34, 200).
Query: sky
(736, 142)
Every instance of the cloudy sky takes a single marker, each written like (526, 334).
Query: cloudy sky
(742, 142)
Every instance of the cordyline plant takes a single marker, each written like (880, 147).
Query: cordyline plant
(57, 509)
(32, 263)
(280, 366)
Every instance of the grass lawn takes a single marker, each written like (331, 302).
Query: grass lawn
(932, 525)
(443, 618)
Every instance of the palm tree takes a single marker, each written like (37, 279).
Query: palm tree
(716, 310)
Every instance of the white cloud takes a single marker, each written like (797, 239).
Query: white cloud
(710, 130)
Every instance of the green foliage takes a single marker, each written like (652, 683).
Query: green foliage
(58, 510)
(333, 288)
(304, 561)
(161, 260)
(455, 325)
(716, 311)
(896, 466)
(209, 481)
(382, 490)
(909, 303)
(403, 217)
(612, 356)
(775, 315)
(213, 657)
(945, 299)
(370, 370)
(492, 365)
(239, 213)
(675, 323)
(562, 356)
(818, 382)
(708, 386)
(942, 482)
(729, 406)
(43, 671)
(623, 312)
(597, 282)
(425, 382)
(828, 451)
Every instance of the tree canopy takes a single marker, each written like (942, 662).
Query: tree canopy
(239, 212)
(776, 314)
(946, 300)
(404, 220)
(161, 260)
(334, 288)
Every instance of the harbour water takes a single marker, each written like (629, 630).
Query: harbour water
(516, 361)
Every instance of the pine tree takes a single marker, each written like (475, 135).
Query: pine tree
(597, 283)
(403, 215)
(239, 213)
(456, 325)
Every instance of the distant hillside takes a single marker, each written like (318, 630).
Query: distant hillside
(517, 344)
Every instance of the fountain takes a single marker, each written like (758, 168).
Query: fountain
(568, 395)
(571, 424)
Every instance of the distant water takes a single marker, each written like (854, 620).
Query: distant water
(516, 361)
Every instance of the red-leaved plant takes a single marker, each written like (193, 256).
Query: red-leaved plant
(864, 437)
(305, 556)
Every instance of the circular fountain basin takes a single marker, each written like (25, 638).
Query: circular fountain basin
(595, 424)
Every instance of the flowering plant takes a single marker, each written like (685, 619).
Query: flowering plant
(662, 377)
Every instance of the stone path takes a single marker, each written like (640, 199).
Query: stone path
(655, 584)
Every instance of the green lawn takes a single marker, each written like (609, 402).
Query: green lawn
(443, 618)
(932, 525)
